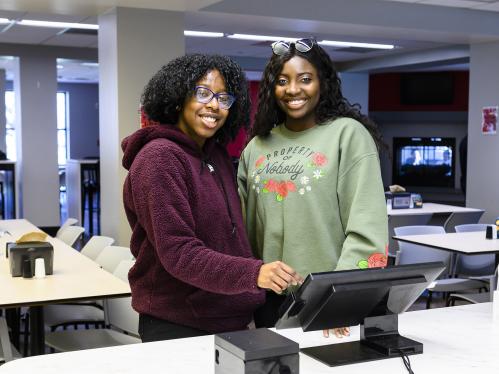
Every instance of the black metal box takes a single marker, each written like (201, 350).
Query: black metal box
(254, 352)
(29, 251)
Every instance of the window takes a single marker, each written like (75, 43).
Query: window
(62, 126)
(10, 133)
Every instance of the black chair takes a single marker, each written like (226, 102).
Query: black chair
(91, 196)
(2, 203)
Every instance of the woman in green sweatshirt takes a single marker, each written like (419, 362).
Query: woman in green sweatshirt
(310, 178)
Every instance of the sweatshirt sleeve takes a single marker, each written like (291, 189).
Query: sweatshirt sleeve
(161, 197)
(363, 212)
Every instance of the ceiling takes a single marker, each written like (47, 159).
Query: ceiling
(413, 26)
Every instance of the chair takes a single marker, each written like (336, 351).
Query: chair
(95, 246)
(7, 351)
(73, 314)
(471, 227)
(479, 267)
(63, 196)
(476, 298)
(111, 256)
(410, 253)
(70, 234)
(91, 195)
(67, 222)
(123, 321)
(404, 220)
(2, 198)
(461, 218)
(472, 298)
(87, 313)
(474, 265)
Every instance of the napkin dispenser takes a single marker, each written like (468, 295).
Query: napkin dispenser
(18, 253)
(401, 200)
(255, 351)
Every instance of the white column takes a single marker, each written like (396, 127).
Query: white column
(133, 45)
(355, 88)
(3, 120)
(35, 86)
(482, 187)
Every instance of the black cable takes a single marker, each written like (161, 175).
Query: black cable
(281, 368)
(271, 369)
(284, 369)
(405, 360)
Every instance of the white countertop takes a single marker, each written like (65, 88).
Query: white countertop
(456, 340)
(430, 208)
(462, 242)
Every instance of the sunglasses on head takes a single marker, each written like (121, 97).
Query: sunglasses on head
(301, 45)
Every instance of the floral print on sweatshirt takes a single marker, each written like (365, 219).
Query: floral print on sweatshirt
(376, 260)
(291, 176)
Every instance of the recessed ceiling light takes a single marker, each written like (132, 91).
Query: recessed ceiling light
(58, 25)
(260, 37)
(60, 67)
(90, 64)
(334, 43)
(205, 34)
(323, 42)
(65, 25)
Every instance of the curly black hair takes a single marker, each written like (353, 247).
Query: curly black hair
(164, 96)
(331, 105)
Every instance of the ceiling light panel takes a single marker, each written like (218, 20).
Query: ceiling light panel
(204, 34)
(334, 43)
(260, 37)
(58, 25)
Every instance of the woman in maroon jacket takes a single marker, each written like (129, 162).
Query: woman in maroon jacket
(195, 273)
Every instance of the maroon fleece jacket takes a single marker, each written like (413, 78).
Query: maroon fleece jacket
(194, 264)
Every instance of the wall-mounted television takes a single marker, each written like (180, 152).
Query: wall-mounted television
(428, 162)
(435, 88)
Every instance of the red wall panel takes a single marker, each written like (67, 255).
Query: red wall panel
(237, 145)
(384, 94)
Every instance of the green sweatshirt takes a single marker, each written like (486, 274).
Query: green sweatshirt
(314, 199)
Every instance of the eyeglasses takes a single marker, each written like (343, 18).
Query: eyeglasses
(205, 95)
(301, 45)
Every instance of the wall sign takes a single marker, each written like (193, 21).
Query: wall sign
(489, 120)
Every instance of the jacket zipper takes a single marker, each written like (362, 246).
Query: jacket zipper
(218, 181)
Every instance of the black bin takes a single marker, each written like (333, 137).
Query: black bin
(255, 351)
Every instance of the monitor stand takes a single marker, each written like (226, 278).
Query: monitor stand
(379, 340)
